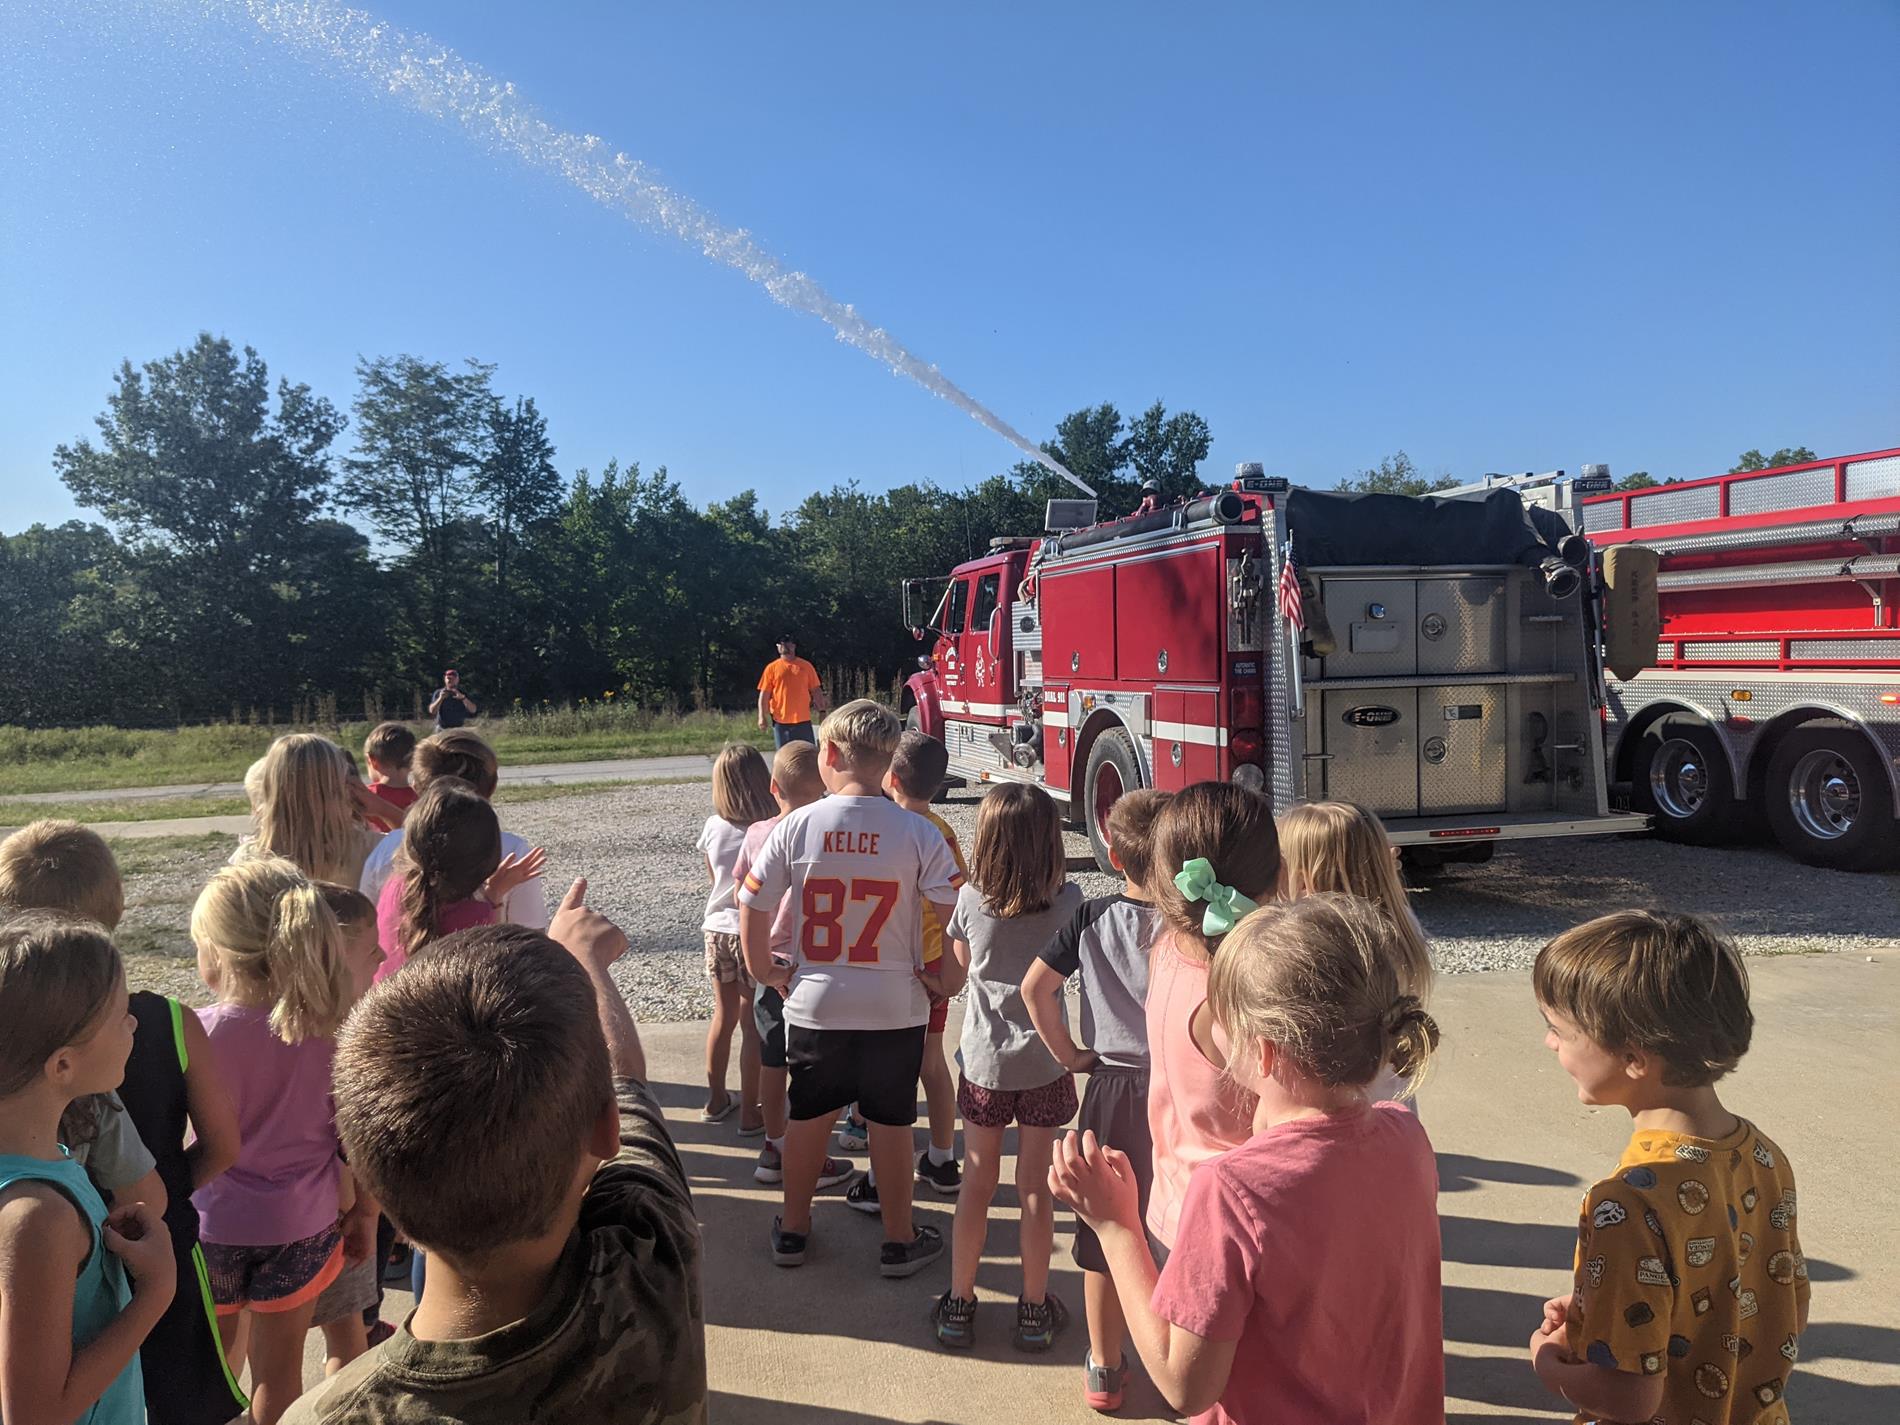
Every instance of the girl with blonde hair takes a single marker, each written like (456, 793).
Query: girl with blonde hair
(1312, 1248)
(270, 948)
(306, 810)
(742, 795)
(1017, 898)
(1337, 846)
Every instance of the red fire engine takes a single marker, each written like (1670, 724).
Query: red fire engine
(1439, 661)
(1776, 690)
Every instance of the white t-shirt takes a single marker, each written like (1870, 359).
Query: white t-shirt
(860, 869)
(721, 842)
(525, 905)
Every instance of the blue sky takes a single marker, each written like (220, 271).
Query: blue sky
(1500, 236)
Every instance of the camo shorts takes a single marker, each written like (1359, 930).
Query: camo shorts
(724, 962)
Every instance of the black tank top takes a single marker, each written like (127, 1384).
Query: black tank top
(154, 1094)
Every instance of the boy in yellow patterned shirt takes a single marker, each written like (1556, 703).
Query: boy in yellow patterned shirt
(1691, 1291)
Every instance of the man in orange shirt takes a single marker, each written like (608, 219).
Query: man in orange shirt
(788, 689)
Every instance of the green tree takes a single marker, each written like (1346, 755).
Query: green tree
(211, 492)
(515, 487)
(1114, 457)
(422, 438)
(1636, 480)
(1750, 460)
(1395, 475)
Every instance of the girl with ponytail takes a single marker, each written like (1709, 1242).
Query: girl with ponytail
(271, 950)
(449, 875)
(1306, 1267)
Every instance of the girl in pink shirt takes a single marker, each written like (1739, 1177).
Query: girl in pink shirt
(1216, 855)
(450, 873)
(1303, 1287)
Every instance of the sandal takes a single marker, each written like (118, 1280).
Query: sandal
(720, 1115)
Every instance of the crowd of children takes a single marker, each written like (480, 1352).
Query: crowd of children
(401, 1041)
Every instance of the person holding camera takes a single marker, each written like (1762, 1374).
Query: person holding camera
(450, 707)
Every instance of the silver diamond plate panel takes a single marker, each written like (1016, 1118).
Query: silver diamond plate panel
(1774, 694)
(1608, 515)
(1464, 729)
(1665, 652)
(1461, 626)
(1781, 492)
(1776, 534)
(1736, 648)
(1873, 479)
(1806, 571)
(1676, 506)
(1843, 649)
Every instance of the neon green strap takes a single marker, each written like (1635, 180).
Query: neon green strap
(178, 1035)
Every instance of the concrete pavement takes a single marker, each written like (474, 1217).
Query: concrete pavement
(834, 1342)
(545, 774)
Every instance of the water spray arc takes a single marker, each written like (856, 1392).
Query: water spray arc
(439, 82)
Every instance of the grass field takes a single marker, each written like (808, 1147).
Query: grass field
(91, 758)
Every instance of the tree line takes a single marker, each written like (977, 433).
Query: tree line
(262, 550)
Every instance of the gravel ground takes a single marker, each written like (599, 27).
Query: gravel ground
(635, 846)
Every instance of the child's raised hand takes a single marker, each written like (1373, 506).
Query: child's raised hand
(585, 933)
(136, 1235)
(1097, 1181)
(514, 871)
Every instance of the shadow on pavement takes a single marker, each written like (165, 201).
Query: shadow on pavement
(1484, 1243)
(1459, 1173)
(1506, 1382)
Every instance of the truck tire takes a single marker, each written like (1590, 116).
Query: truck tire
(1681, 778)
(1112, 769)
(1829, 800)
(914, 722)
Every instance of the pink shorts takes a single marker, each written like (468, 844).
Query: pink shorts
(1050, 1106)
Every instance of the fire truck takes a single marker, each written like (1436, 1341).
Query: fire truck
(1775, 691)
(1440, 662)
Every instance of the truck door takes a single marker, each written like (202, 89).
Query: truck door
(983, 648)
(948, 653)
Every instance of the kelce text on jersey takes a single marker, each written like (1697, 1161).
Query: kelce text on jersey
(851, 843)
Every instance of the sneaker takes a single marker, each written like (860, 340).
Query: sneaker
(854, 1136)
(771, 1168)
(1038, 1326)
(1102, 1385)
(835, 1171)
(954, 1318)
(946, 1178)
(903, 1259)
(788, 1248)
(862, 1195)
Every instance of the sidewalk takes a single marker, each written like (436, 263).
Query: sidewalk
(544, 774)
(834, 1342)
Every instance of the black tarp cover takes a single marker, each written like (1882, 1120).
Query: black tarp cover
(1332, 529)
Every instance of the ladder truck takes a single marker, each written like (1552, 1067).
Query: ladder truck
(1774, 694)
(1440, 662)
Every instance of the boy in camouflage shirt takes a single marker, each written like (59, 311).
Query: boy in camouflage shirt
(478, 1093)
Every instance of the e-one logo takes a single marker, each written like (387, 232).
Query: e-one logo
(1370, 717)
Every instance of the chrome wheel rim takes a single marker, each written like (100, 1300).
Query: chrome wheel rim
(1824, 795)
(1679, 778)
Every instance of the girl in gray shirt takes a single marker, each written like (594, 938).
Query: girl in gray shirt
(1017, 898)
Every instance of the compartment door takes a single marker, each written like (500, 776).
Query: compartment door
(1463, 753)
(1169, 752)
(1078, 625)
(1463, 625)
(1371, 742)
(1376, 624)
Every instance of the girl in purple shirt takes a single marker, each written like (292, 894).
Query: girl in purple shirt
(270, 948)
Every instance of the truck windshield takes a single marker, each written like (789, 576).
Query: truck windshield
(987, 589)
(959, 600)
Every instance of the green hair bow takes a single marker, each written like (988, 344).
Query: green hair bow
(1225, 905)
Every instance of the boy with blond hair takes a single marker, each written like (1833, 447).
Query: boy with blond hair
(858, 869)
(563, 1282)
(61, 865)
(1691, 1291)
(795, 784)
(917, 771)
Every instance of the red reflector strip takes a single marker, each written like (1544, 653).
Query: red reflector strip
(1890, 698)
(1453, 831)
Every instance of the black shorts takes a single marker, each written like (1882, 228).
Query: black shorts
(874, 1068)
(768, 1017)
(1115, 1105)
